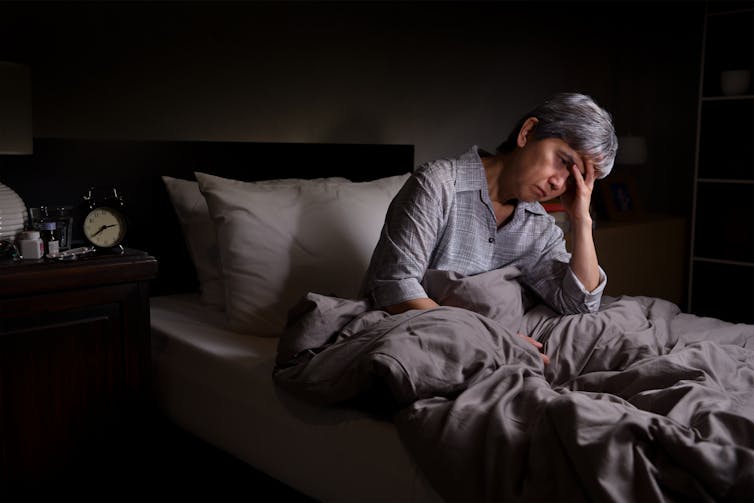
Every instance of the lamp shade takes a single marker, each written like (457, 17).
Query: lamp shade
(15, 138)
(13, 216)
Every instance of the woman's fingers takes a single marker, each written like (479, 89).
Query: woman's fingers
(587, 178)
(536, 344)
(530, 340)
(590, 172)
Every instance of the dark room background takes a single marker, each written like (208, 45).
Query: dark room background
(439, 75)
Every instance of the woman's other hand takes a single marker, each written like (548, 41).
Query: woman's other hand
(536, 344)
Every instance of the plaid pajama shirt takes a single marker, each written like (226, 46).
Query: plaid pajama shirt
(443, 219)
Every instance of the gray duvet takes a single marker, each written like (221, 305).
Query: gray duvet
(639, 402)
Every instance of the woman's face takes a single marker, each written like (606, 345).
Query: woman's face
(544, 169)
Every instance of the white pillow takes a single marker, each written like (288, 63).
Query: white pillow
(277, 243)
(199, 233)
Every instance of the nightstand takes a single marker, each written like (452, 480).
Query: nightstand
(74, 366)
(645, 256)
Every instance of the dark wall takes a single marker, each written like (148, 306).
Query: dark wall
(438, 75)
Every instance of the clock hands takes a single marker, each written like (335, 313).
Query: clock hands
(103, 228)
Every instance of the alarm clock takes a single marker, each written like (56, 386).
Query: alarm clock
(104, 220)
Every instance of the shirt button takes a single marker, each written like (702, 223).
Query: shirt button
(492, 240)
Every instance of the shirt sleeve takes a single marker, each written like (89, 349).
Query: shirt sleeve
(413, 224)
(554, 281)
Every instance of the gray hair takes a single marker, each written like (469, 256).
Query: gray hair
(577, 120)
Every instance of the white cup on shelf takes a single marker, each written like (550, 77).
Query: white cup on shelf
(735, 82)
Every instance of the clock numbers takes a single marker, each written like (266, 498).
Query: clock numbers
(104, 227)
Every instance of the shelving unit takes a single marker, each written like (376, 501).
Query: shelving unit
(721, 274)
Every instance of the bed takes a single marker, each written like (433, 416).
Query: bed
(262, 348)
(328, 453)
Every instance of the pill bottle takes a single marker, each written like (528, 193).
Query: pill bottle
(50, 238)
(31, 245)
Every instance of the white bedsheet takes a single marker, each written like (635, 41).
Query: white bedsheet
(218, 385)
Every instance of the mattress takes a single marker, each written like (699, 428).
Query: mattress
(217, 384)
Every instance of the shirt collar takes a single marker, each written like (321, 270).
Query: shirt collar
(471, 171)
(473, 177)
(533, 207)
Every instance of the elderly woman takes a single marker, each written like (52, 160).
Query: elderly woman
(482, 211)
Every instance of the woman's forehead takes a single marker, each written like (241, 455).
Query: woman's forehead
(566, 150)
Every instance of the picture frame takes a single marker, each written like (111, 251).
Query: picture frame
(620, 197)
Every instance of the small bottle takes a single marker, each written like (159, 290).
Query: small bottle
(32, 246)
(64, 221)
(49, 236)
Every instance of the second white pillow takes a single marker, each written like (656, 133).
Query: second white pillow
(278, 242)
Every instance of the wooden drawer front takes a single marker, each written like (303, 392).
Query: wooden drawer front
(59, 383)
(62, 380)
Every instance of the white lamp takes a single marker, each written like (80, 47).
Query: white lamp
(15, 138)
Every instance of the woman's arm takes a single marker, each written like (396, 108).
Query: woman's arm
(573, 282)
(584, 255)
(576, 200)
(413, 224)
(401, 307)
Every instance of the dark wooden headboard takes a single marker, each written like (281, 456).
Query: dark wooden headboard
(60, 172)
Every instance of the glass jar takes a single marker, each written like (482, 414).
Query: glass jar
(37, 215)
(64, 221)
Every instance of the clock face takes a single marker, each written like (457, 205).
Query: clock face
(104, 227)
